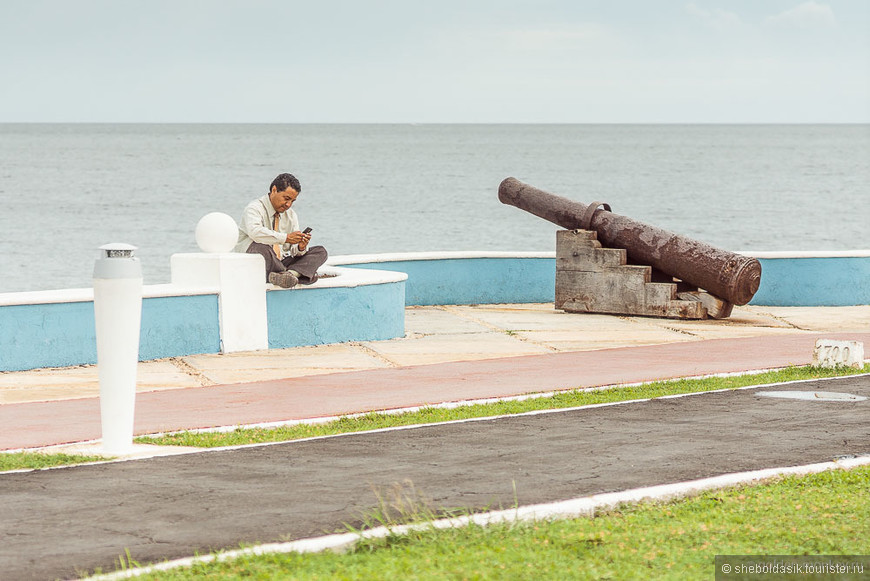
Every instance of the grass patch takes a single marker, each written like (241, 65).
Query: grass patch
(820, 514)
(38, 460)
(569, 399)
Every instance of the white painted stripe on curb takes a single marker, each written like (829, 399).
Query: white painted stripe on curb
(578, 507)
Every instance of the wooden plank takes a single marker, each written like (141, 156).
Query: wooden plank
(660, 293)
(620, 290)
(571, 239)
(567, 242)
(678, 309)
(716, 307)
(589, 259)
(607, 291)
(576, 235)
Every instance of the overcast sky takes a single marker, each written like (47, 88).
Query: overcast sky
(464, 61)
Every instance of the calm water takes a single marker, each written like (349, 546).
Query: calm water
(67, 189)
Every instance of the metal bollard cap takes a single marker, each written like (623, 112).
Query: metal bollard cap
(116, 260)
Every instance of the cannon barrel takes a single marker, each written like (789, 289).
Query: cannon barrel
(729, 276)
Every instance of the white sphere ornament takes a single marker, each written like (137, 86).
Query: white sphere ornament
(216, 233)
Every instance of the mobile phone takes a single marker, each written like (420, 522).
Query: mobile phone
(307, 231)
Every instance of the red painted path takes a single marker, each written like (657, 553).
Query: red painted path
(32, 425)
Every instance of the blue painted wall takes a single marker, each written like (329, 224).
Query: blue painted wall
(803, 281)
(468, 281)
(47, 335)
(63, 334)
(317, 316)
(809, 282)
(180, 325)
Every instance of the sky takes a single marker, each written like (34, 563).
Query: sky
(435, 61)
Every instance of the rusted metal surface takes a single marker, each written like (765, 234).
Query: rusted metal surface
(727, 275)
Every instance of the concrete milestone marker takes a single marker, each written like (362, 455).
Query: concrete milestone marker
(829, 353)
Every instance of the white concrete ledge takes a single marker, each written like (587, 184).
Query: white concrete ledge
(807, 254)
(83, 295)
(446, 255)
(450, 255)
(69, 295)
(175, 290)
(336, 277)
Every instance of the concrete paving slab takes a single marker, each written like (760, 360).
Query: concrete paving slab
(505, 307)
(741, 317)
(821, 318)
(743, 323)
(509, 318)
(164, 374)
(278, 363)
(83, 381)
(438, 320)
(43, 384)
(703, 332)
(454, 347)
(589, 340)
(544, 320)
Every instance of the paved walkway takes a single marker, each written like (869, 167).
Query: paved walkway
(450, 353)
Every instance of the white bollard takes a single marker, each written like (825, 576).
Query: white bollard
(118, 315)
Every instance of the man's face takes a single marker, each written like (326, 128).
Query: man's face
(281, 201)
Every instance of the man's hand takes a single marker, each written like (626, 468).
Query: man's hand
(299, 238)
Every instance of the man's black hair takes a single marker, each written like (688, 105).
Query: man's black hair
(285, 180)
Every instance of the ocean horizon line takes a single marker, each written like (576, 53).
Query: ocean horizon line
(464, 123)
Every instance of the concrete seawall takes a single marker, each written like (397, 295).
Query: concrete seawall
(813, 279)
(363, 301)
(56, 328)
(788, 279)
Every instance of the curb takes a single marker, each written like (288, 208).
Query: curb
(578, 507)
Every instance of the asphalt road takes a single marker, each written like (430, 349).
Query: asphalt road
(58, 523)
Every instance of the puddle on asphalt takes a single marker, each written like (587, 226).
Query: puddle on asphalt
(812, 395)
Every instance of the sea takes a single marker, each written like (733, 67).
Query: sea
(67, 189)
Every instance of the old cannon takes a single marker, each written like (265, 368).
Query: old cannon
(728, 277)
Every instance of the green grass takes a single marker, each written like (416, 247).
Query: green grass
(820, 514)
(567, 399)
(38, 460)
